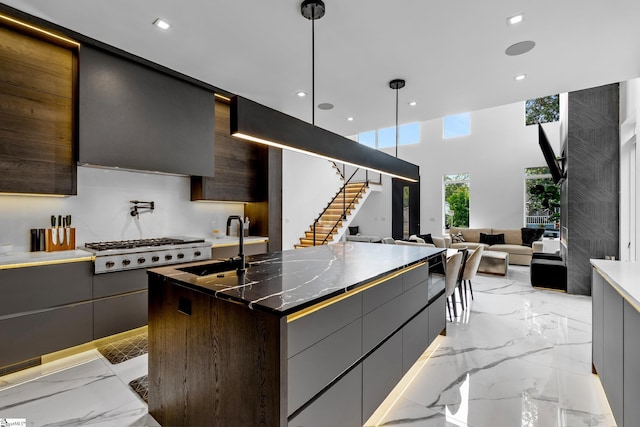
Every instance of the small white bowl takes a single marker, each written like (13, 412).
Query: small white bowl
(5, 248)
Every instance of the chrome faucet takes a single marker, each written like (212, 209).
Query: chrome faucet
(240, 258)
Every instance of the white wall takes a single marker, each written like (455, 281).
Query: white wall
(308, 184)
(101, 209)
(374, 217)
(496, 153)
(629, 177)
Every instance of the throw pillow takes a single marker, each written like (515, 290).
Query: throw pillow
(530, 235)
(492, 239)
(354, 230)
(457, 238)
(426, 237)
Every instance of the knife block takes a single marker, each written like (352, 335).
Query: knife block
(64, 240)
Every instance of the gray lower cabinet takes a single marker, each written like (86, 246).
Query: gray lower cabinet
(311, 370)
(121, 313)
(337, 407)
(380, 373)
(631, 365)
(32, 335)
(33, 288)
(52, 307)
(437, 319)
(612, 368)
(597, 313)
(368, 340)
(121, 302)
(44, 309)
(415, 338)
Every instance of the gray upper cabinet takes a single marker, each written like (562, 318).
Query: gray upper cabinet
(135, 117)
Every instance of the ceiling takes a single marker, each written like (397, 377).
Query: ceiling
(451, 52)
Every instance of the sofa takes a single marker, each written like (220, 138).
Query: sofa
(509, 240)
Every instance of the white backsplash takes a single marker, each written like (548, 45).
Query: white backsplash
(101, 209)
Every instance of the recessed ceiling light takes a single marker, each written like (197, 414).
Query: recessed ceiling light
(350, 119)
(413, 103)
(161, 23)
(325, 106)
(301, 94)
(520, 77)
(515, 19)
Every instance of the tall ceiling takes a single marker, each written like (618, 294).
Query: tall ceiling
(450, 52)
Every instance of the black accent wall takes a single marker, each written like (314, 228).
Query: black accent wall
(590, 196)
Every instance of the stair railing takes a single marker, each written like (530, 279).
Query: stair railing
(337, 168)
(345, 207)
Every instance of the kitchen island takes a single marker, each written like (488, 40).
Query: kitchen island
(316, 336)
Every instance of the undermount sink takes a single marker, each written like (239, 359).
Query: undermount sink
(220, 266)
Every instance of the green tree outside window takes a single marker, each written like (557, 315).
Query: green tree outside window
(542, 110)
(456, 196)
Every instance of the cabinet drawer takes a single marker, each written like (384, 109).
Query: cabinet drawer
(341, 405)
(413, 277)
(308, 330)
(119, 314)
(437, 317)
(33, 288)
(314, 368)
(381, 294)
(415, 339)
(119, 282)
(380, 373)
(382, 321)
(33, 335)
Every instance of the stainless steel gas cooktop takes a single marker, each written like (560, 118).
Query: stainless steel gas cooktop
(145, 253)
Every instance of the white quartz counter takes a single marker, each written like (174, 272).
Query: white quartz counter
(34, 259)
(234, 241)
(623, 276)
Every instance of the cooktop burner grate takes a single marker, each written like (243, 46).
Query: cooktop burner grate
(129, 244)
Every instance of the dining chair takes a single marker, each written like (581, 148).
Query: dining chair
(465, 254)
(471, 269)
(451, 279)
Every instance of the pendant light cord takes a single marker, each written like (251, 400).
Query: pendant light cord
(313, 69)
(397, 132)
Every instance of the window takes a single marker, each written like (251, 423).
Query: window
(542, 200)
(542, 110)
(386, 138)
(456, 200)
(456, 125)
(368, 138)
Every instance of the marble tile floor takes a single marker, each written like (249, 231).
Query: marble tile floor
(517, 357)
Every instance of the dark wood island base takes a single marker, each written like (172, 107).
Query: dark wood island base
(213, 360)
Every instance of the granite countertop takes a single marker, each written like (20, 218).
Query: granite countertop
(34, 259)
(286, 282)
(623, 276)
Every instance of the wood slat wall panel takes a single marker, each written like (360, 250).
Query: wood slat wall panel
(36, 57)
(240, 167)
(37, 130)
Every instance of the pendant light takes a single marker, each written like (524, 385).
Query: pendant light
(397, 84)
(312, 10)
(256, 123)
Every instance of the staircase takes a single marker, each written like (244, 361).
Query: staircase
(331, 224)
